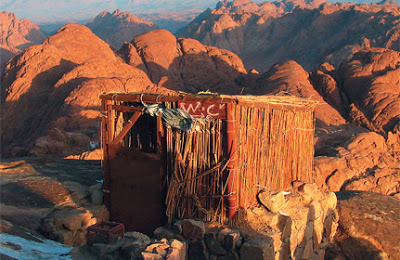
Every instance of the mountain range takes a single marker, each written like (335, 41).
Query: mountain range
(55, 85)
(261, 34)
(119, 27)
(71, 11)
(310, 32)
(16, 35)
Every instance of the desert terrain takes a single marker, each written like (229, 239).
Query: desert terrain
(344, 56)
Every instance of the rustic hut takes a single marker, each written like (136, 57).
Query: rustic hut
(200, 156)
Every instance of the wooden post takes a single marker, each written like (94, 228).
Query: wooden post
(230, 137)
(107, 127)
(161, 151)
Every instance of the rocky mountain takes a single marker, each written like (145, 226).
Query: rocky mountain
(55, 86)
(309, 32)
(50, 98)
(16, 35)
(74, 10)
(119, 27)
(171, 21)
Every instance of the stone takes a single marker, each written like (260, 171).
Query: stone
(64, 236)
(330, 226)
(162, 232)
(273, 201)
(102, 250)
(330, 200)
(309, 231)
(66, 225)
(258, 250)
(131, 251)
(308, 250)
(91, 222)
(152, 248)
(231, 239)
(137, 238)
(79, 193)
(316, 210)
(160, 251)
(197, 250)
(177, 226)
(178, 250)
(151, 256)
(74, 219)
(96, 194)
(230, 256)
(318, 232)
(287, 229)
(369, 224)
(213, 245)
(82, 252)
(193, 229)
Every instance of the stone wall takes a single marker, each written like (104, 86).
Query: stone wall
(298, 224)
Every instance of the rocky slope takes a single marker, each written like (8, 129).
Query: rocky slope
(314, 32)
(369, 224)
(57, 85)
(50, 93)
(16, 35)
(50, 98)
(119, 27)
(371, 82)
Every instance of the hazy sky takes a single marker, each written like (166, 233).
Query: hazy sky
(44, 11)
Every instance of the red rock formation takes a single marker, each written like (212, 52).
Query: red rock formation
(50, 97)
(324, 82)
(366, 162)
(369, 227)
(57, 84)
(184, 64)
(269, 32)
(371, 81)
(16, 35)
(289, 78)
(119, 27)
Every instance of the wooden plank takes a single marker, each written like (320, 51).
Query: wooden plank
(126, 128)
(154, 98)
(126, 109)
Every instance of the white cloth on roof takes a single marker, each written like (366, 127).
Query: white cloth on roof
(173, 117)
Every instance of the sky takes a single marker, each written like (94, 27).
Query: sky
(50, 11)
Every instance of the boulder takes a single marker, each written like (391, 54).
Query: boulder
(177, 251)
(137, 238)
(213, 245)
(369, 225)
(273, 201)
(260, 249)
(197, 250)
(193, 229)
(96, 194)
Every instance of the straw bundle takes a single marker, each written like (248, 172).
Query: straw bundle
(274, 148)
(195, 166)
